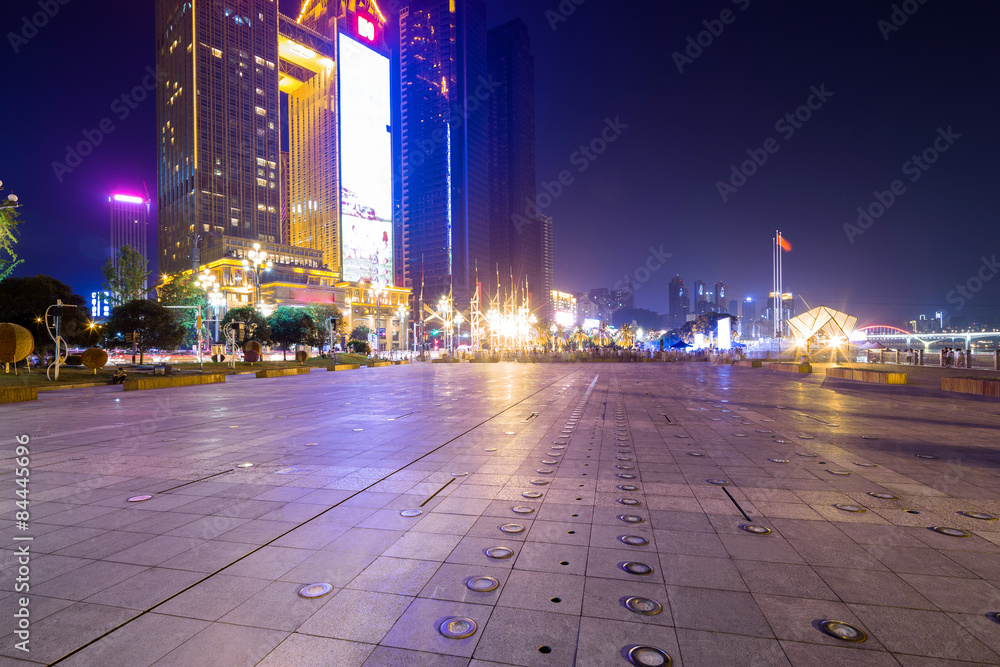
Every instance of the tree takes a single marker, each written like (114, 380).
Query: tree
(156, 326)
(255, 326)
(321, 314)
(126, 281)
(704, 324)
(184, 291)
(290, 326)
(8, 239)
(23, 301)
(360, 332)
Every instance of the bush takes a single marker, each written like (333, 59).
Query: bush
(251, 356)
(301, 356)
(359, 346)
(73, 360)
(94, 358)
(16, 343)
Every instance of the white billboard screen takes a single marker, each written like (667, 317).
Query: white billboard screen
(365, 163)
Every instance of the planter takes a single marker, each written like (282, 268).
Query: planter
(975, 386)
(872, 377)
(282, 372)
(790, 368)
(167, 381)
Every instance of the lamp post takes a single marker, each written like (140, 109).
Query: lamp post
(257, 258)
(459, 318)
(208, 282)
(378, 293)
(404, 343)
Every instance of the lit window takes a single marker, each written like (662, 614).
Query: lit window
(261, 182)
(216, 52)
(260, 111)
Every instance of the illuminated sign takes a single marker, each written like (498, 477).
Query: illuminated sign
(366, 28)
(590, 323)
(365, 164)
(129, 199)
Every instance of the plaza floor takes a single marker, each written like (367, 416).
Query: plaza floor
(557, 506)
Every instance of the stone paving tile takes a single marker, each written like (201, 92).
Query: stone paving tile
(330, 513)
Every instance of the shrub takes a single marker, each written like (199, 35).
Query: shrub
(254, 346)
(94, 358)
(16, 343)
(301, 356)
(251, 356)
(359, 346)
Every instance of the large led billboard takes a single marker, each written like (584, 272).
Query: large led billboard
(365, 163)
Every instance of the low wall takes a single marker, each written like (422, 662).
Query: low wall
(18, 394)
(748, 363)
(379, 364)
(282, 372)
(790, 368)
(976, 386)
(344, 367)
(165, 381)
(873, 377)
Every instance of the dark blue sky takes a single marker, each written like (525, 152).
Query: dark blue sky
(656, 184)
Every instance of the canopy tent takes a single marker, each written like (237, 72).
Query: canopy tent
(823, 320)
(680, 345)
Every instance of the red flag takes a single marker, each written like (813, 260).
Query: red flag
(785, 245)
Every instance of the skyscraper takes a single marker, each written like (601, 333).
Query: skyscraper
(445, 214)
(129, 223)
(679, 301)
(516, 234)
(720, 297)
(548, 251)
(218, 123)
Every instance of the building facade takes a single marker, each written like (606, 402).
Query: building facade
(445, 211)
(517, 244)
(129, 226)
(218, 118)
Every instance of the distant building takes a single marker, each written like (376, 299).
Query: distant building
(679, 302)
(564, 309)
(129, 223)
(100, 304)
(721, 297)
(733, 308)
(517, 232)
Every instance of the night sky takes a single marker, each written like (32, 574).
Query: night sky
(656, 185)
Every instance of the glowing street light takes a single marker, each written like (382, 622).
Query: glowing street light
(257, 258)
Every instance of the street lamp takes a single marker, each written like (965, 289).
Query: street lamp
(378, 293)
(257, 258)
(404, 344)
(459, 318)
(11, 200)
(208, 282)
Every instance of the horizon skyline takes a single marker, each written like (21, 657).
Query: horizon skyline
(885, 268)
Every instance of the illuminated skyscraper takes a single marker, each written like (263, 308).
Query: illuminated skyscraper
(517, 244)
(445, 214)
(218, 123)
(129, 223)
